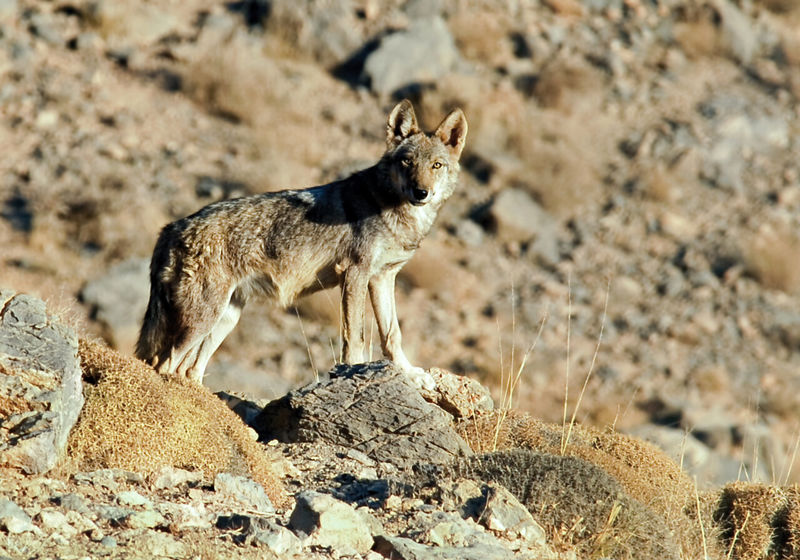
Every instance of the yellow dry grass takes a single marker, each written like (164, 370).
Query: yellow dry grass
(645, 472)
(138, 420)
(759, 520)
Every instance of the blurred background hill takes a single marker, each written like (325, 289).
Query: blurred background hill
(629, 197)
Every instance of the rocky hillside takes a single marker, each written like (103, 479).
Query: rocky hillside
(628, 202)
(100, 456)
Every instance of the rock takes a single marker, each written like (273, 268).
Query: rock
(13, 519)
(108, 478)
(460, 395)
(373, 408)
(708, 467)
(130, 25)
(330, 522)
(54, 521)
(170, 477)
(247, 491)
(113, 514)
(72, 502)
(118, 300)
(186, 516)
(449, 529)
(261, 531)
(132, 498)
(154, 544)
(328, 31)
(244, 408)
(740, 35)
(43, 27)
(8, 9)
(400, 548)
(146, 519)
(515, 217)
(503, 513)
(421, 54)
(81, 523)
(40, 384)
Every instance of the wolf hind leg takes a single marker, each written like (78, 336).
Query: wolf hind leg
(195, 312)
(197, 359)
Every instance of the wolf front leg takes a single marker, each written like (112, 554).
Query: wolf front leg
(354, 300)
(381, 292)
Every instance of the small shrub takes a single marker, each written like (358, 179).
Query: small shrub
(582, 505)
(759, 520)
(138, 420)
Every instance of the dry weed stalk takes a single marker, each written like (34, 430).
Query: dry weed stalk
(565, 439)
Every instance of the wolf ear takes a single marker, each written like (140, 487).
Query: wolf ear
(453, 132)
(402, 123)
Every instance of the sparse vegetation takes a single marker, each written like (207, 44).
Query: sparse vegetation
(137, 420)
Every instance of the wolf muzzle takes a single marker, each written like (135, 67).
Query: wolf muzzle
(418, 195)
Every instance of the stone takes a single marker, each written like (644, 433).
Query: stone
(186, 516)
(515, 217)
(43, 27)
(132, 498)
(245, 490)
(244, 408)
(108, 478)
(8, 9)
(420, 54)
(329, 522)
(401, 548)
(81, 523)
(54, 521)
(155, 544)
(373, 408)
(460, 395)
(328, 31)
(740, 35)
(449, 529)
(261, 531)
(137, 24)
(118, 300)
(41, 393)
(146, 519)
(170, 477)
(72, 502)
(503, 513)
(113, 514)
(13, 519)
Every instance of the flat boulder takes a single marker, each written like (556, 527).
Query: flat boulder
(40, 384)
(373, 408)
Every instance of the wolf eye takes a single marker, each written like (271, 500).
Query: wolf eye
(405, 162)
(437, 165)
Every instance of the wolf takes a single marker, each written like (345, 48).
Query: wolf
(357, 233)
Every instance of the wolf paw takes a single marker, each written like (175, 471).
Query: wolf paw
(421, 378)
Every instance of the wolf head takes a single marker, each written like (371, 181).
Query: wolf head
(423, 168)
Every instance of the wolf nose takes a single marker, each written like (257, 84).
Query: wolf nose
(419, 194)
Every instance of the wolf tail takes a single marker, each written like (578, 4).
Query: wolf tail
(154, 338)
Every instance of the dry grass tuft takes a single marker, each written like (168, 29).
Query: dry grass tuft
(138, 420)
(581, 505)
(772, 255)
(759, 520)
(646, 473)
